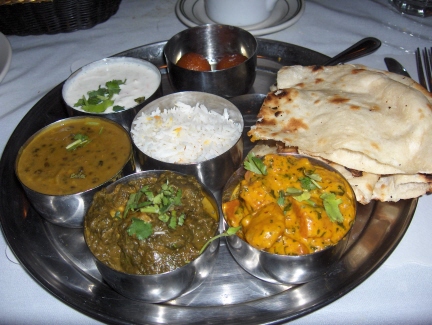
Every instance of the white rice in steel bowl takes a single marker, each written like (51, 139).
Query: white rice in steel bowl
(185, 134)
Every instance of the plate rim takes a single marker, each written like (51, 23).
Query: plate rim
(340, 289)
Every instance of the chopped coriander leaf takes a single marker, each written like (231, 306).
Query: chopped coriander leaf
(293, 191)
(177, 199)
(150, 209)
(140, 100)
(118, 108)
(331, 206)
(162, 203)
(80, 140)
(307, 183)
(131, 203)
(99, 100)
(173, 222)
(143, 204)
(140, 229)
(281, 198)
(229, 232)
(312, 175)
(254, 164)
(305, 196)
(181, 219)
(164, 217)
(114, 86)
(80, 174)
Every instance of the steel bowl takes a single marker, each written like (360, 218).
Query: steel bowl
(282, 269)
(165, 286)
(123, 117)
(213, 173)
(213, 41)
(69, 210)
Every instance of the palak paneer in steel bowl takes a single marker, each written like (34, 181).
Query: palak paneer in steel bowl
(152, 234)
(294, 213)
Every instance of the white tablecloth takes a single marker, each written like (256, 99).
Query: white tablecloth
(400, 291)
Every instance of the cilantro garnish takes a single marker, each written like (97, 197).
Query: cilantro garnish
(331, 206)
(80, 140)
(99, 100)
(281, 199)
(309, 182)
(229, 232)
(163, 204)
(140, 100)
(118, 108)
(80, 174)
(293, 191)
(254, 164)
(304, 196)
(140, 229)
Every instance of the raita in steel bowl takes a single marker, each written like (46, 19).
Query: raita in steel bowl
(115, 88)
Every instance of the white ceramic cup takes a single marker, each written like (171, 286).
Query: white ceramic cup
(239, 12)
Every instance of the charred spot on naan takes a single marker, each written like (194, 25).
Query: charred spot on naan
(294, 125)
(316, 68)
(375, 145)
(357, 70)
(336, 99)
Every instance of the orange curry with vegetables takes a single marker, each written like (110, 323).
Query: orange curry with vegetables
(290, 206)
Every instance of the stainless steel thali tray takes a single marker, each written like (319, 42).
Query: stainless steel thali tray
(58, 259)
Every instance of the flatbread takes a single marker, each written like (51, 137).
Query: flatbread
(366, 186)
(385, 188)
(359, 118)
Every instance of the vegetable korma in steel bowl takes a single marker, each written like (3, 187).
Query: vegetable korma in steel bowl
(73, 155)
(287, 205)
(150, 225)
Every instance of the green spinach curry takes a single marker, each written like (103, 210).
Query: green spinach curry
(150, 225)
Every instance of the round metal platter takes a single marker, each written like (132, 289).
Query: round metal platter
(59, 260)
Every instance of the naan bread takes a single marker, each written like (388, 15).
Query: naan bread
(366, 186)
(363, 119)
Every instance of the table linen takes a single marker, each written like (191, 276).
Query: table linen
(400, 291)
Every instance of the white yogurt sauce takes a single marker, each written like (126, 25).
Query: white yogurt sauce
(142, 80)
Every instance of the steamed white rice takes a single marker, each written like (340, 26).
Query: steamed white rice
(185, 134)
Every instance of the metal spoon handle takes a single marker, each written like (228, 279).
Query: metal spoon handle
(363, 47)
